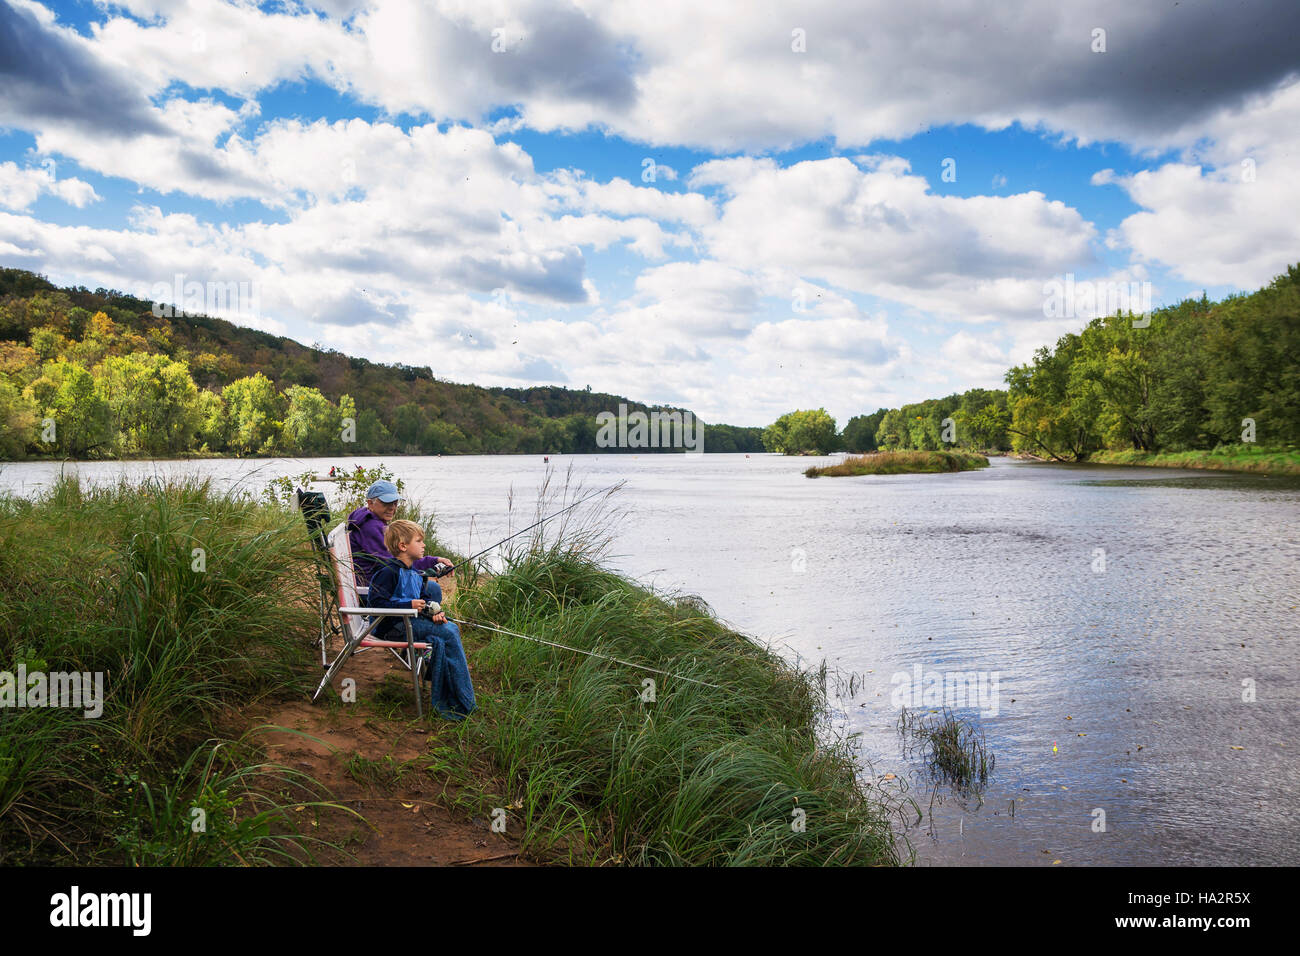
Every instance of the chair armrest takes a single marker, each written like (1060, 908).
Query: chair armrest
(381, 611)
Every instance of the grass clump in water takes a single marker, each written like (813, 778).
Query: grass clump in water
(953, 748)
(901, 463)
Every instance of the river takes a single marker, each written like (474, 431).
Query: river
(1135, 632)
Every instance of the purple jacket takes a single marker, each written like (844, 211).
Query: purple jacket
(366, 533)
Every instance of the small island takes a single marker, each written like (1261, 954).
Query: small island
(902, 463)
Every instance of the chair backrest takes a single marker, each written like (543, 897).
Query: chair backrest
(348, 594)
(316, 512)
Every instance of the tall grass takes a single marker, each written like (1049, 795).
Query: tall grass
(191, 603)
(1243, 457)
(900, 463)
(596, 772)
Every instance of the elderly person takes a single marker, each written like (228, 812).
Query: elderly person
(366, 527)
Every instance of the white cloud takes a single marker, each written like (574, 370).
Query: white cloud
(20, 187)
(974, 356)
(875, 228)
(1230, 218)
(383, 239)
(879, 71)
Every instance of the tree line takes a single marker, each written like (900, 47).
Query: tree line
(98, 374)
(976, 419)
(1192, 376)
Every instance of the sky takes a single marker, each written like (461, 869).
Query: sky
(740, 208)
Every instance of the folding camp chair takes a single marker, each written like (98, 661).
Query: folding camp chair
(341, 611)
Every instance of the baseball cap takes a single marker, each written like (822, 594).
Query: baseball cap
(385, 491)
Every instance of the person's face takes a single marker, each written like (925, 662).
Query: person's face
(415, 549)
(386, 510)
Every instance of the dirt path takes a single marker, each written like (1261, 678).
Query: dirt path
(403, 801)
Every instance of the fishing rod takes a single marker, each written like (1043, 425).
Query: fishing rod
(433, 609)
(578, 650)
(438, 570)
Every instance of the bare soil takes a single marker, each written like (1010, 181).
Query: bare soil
(409, 819)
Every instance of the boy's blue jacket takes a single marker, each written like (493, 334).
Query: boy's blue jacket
(394, 585)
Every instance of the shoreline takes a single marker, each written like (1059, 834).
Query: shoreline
(1279, 463)
(1275, 463)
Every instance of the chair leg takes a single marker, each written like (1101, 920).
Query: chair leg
(349, 648)
(324, 619)
(415, 671)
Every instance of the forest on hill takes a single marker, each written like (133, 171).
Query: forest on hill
(99, 375)
(1195, 376)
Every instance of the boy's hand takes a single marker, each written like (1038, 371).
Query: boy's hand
(439, 618)
(418, 604)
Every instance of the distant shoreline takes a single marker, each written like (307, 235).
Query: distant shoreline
(1251, 462)
(1235, 460)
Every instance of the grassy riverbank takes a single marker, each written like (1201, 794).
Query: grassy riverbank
(189, 604)
(198, 607)
(603, 765)
(1226, 458)
(901, 463)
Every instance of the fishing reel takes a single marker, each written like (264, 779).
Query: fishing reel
(438, 570)
(430, 610)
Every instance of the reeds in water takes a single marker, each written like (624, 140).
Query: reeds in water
(900, 463)
(953, 748)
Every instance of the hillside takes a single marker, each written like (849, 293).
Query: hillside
(117, 380)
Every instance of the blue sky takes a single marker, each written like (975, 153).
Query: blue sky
(463, 185)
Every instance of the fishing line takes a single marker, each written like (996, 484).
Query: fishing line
(578, 650)
(443, 569)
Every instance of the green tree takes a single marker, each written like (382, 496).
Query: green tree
(1255, 372)
(67, 393)
(213, 433)
(988, 426)
(409, 423)
(443, 438)
(892, 428)
(19, 416)
(78, 319)
(860, 431)
(1051, 414)
(801, 432)
(372, 436)
(153, 401)
(47, 342)
(255, 412)
(311, 423)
